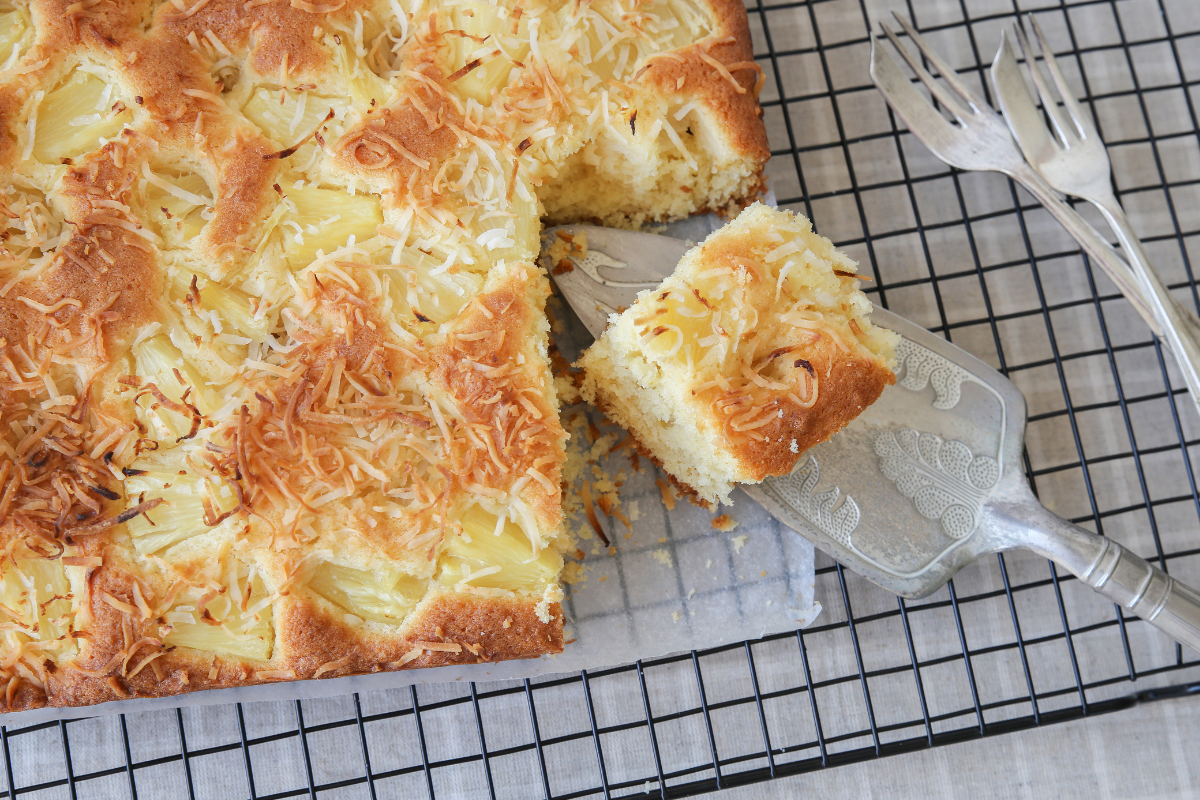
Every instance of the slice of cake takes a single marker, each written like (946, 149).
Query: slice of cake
(757, 348)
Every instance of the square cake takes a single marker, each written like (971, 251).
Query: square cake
(756, 348)
(275, 393)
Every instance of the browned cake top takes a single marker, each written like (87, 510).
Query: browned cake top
(275, 394)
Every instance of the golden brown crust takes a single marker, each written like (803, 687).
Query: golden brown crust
(469, 630)
(849, 383)
(473, 630)
(738, 112)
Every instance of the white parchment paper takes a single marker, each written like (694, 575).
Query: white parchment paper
(671, 583)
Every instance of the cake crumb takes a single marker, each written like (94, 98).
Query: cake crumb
(552, 595)
(691, 593)
(634, 511)
(572, 572)
(507, 623)
(738, 543)
(668, 494)
(675, 616)
(662, 540)
(662, 556)
(724, 523)
(708, 564)
(795, 448)
(762, 574)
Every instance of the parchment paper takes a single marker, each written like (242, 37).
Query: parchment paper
(671, 583)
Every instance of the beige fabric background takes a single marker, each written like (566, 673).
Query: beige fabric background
(1146, 752)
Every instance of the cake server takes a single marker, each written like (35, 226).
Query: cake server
(924, 481)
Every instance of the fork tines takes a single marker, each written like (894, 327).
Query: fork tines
(1075, 125)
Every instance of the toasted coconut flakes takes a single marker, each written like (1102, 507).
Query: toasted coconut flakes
(276, 674)
(438, 647)
(124, 516)
(148, 660)
(542, 479)
(411, 655)
(590, 509)
(331, 666)
(668, 494)
(616, 512)
(142, 606)
(119, 605)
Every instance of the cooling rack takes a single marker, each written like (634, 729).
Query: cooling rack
(1009, 644)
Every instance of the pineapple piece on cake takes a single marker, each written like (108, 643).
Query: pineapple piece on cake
(755, 349)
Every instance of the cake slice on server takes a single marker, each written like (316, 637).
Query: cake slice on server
(756, 348)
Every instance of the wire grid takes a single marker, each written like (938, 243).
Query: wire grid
(1009, 644)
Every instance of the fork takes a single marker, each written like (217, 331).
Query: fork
(1072, 158)
(981, 141)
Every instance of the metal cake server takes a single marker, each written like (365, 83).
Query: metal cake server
(926, 480)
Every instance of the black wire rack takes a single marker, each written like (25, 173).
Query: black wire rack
(1009, 645)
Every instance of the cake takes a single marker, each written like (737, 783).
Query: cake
(757, 347)
(276, 396)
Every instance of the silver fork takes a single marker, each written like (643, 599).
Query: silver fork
(1072, 158)
(981, 141)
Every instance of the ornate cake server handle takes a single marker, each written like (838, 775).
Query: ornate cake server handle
(1106, 566)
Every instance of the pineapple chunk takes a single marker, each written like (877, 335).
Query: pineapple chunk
(74, 117)
(231, 305)
(687, 321)
(482, 20)
(382, 595)
(324, 220)
(176, 202)
(413, 289)
(234, 625)
(508, 549)
(364, 85)
(36, 597)
(34, 229)
(660, 26)
(676, 23)
(14, 25)
(182, 515)
(512, 236)
(296, 117)
(158, 361)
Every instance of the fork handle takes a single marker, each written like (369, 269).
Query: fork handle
(1091, 241)
(1180, 328)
